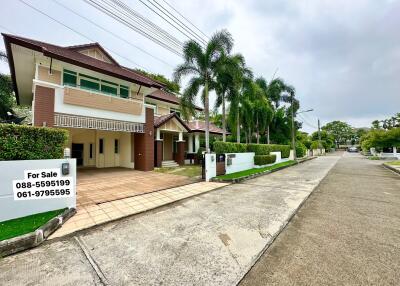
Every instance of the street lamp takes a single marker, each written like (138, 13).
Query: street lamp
(293, 131)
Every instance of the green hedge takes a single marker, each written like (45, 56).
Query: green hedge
(21, 142)
(229, 147)
(259, 149)
(265, 149)
(264, 159)
(301, 150)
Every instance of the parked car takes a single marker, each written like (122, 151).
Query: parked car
(352, 149)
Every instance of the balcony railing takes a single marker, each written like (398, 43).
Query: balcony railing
(75, 121)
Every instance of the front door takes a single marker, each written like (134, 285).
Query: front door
(77, 153)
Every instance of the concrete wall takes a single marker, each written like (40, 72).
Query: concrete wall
(210, 166)
(11, 208)
(240, 162)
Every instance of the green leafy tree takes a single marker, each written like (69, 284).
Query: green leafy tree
(341, 131)
(170, 85)
(228, 76)
(376, 124)
(201, 63)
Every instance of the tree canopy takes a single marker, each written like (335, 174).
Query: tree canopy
(341, 131)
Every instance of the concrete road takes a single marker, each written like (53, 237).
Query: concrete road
(211, 239)
(346, 233)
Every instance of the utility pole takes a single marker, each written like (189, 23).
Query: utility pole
(293, 133)
(319, 138)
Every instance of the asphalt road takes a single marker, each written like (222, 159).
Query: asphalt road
(211, 239)
(346, 233)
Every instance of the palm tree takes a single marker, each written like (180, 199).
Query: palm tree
(228, 76)
(266, 108)
(201, 63)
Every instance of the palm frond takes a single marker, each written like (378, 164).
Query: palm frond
(183, 70)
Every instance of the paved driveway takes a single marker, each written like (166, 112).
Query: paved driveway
(96, 186)
(211, 239)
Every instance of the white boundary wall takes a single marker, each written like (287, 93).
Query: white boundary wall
(11, 208)
(210, 166)
(240, 162)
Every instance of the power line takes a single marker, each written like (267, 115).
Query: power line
(187, 20)
(77, 32)
(140, 29)
(169, 17)
(112, 33)
(146, 21)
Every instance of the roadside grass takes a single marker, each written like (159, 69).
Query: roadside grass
(394, 163)
(253, 171)
(23, 225)
(374, 158)
(186, 170)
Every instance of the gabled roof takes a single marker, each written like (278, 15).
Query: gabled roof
(165, 96)
(72, 56)
(200, 126)
(160, 120)
(93, 46)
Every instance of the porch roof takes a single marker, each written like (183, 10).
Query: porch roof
(200, 126)
(161, 120)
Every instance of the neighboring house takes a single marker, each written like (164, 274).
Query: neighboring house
(116, 117)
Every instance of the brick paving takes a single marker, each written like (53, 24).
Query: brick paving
(94, 214)
(96, 186)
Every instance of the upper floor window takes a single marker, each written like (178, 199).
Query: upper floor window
(176, 111)
(84, 81)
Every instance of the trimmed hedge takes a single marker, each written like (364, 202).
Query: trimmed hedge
(301, 150)
(264, 159)
(259, 149)
(21, 142)
(266, 149)
(229, 147)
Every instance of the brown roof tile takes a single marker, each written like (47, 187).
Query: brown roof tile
(69, 55)
(200, 126)
(165, 96)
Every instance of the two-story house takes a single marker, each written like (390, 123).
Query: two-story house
(116, 117)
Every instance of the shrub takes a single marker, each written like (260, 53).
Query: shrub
(300, 149)
(265, 149)
(264, 159)
(229, 147)
(20, 142)
(314, 145)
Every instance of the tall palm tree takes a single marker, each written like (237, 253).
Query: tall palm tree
(267, 108)
(228, 76)
(201, 63)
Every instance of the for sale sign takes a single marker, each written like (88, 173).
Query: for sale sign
(43, 184)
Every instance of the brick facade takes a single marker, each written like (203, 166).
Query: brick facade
(44, 107)
(144, 144)
(180, 155)
(158, 156)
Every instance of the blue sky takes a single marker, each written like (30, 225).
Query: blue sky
(342, 56)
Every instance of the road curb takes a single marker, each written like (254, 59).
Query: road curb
(391, 168)
(34, 238)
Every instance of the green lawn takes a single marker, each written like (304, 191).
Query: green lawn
(23, 225)
(187, 170)
(394, 163)
(245, 173)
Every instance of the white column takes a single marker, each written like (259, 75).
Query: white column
(180, 136)
(196, 142)
(190, 142)
(158, 135)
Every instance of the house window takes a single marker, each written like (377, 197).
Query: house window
(109, 89)
(124, 91)
(176, 111)
(116, 146)
(88, 82)
(69, 77)
(101, 146)
(91, 151)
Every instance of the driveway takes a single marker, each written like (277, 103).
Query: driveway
(211, 239)
(96, 186)
(347, 233)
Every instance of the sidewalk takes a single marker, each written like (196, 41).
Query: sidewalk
(95, 214)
